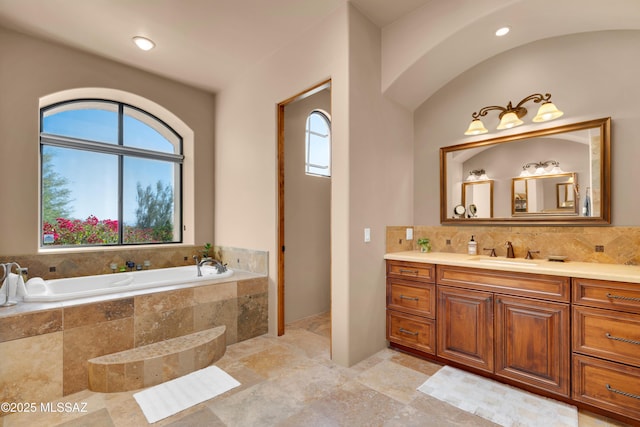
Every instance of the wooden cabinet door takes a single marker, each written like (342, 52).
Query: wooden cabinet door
(532, 342)
(465, 327)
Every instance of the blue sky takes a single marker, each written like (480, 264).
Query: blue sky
(92, 177)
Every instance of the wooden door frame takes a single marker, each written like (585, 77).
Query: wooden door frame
(281, 249)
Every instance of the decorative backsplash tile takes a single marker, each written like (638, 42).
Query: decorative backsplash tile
(610, 245)
(57, 265)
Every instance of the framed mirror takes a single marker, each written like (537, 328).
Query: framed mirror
(477, 198)
(531, 177)
(545, 195)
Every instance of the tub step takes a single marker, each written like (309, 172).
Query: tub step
(155, 363)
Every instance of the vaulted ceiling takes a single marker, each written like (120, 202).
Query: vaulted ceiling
(206, 43)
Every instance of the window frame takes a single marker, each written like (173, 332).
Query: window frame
(121, 151)
(307, 144)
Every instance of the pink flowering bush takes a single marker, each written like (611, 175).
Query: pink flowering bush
(93, 231)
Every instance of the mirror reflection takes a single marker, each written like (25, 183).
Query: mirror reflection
(530, 177)
(545, 195)
(477, 198)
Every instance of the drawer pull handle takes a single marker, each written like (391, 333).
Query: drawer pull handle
(404, 331)
(409, 298)
(610, 295)
(404, 271)
(624, 393)
(628, 341)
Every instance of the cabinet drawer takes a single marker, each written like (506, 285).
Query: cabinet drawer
(413, 270)
(609, 334)
(601, 293)
(411, 297)
(411, 331)
(607, 385)
(552, 288)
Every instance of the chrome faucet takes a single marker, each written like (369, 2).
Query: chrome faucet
(510, 253)
(220, 268)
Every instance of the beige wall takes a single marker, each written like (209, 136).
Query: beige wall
(371, 182)
(590, 75)
(32, 68)
(380, 184)
(307, 218)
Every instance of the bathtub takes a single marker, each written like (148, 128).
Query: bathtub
(39, 290)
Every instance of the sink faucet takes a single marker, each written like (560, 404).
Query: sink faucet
(530, 254)
(220, 268)
(510, 253)
(493, 251)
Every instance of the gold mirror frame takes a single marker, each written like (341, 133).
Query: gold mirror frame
(604, 126)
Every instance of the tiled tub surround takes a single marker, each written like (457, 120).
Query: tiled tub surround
(45, 346)
(55, 265)
(621, 244)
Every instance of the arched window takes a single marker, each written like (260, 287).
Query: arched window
(318, 144)
(111, 174)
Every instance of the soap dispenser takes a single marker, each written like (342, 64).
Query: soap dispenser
(473, 246)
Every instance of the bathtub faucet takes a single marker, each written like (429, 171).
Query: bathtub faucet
(220, 268)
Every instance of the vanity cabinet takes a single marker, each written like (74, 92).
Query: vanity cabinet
(606, 345)
(512, 325)
(465, 327)
(411, 307)
(574, 339)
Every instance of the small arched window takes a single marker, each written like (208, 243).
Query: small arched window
(111, 175)
(318, 144)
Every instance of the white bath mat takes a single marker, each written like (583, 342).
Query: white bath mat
(173, 396)
(496, 402)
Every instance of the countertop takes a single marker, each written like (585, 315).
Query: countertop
(586, 270)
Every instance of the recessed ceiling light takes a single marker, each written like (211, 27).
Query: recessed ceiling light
(144, 43)
(502, 31)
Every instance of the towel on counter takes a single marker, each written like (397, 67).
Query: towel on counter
(17, 290)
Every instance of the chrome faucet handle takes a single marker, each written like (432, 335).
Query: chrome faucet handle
(530, 254)
(493, 251)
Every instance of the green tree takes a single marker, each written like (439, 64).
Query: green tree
(56, 196)
(155, 211)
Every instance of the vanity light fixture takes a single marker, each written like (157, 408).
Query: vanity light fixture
(541, 168)
(510, 116)
(144, 43)
(477, 175)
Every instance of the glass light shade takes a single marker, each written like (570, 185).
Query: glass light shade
(524, 173)
(556, 170)
(471, 177)
(509, 120)
(540, 171)
(476, 128)
(547, 111)
(144, 43)
(484, 177)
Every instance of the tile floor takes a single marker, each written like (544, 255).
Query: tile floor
(290, 381)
